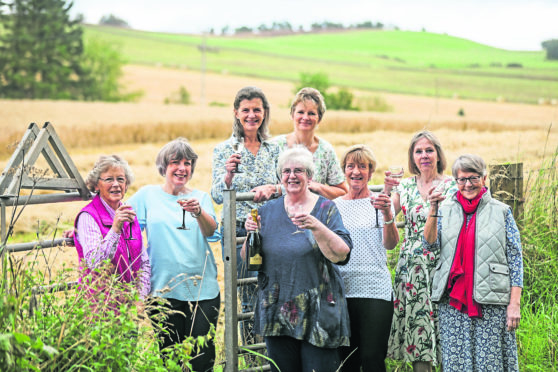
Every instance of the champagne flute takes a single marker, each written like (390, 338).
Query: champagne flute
(237, 145)
(181, 197)
(373, 197)
(292, 211)
(130, 236)
(397, 173)
(439, 186)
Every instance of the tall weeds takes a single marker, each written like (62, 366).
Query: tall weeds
(538, 333)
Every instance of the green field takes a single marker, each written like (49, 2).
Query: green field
(418, 63)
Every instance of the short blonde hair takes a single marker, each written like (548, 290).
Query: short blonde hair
(313, 95)
(360, 154)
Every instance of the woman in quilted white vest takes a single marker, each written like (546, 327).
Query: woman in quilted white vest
(479, 276)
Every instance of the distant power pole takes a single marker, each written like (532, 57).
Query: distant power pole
(203, 48)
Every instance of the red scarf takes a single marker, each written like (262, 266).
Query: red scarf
(461, 275)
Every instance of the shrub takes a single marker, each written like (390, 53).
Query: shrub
(182, 96)
(341, 100)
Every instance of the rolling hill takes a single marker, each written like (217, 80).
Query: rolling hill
(418, 63)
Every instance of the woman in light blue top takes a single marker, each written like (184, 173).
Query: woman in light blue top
(183, 267)
(307, 110)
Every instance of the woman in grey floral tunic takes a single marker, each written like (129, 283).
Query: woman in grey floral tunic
(414, 335)
(258, 160)
(301, 310)
(307, 110)
(480, 274)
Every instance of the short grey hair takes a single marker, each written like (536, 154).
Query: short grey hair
(313, 95)
(249, 93)
(177, 149)
(442, 162)
(103, 164)
(469, 163)
(297, 154)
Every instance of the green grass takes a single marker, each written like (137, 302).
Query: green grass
(418, 63)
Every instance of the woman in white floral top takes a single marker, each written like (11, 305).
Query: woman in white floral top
(307, 110)
(414, 334)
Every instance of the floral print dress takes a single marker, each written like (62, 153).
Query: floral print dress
(414, 336)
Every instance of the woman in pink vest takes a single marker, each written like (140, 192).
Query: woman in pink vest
(103, 228)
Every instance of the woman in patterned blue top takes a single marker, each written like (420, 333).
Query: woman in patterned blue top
(258, 161)
(479, 277)
(301, 309)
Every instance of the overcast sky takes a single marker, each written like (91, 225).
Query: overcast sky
(508, 24)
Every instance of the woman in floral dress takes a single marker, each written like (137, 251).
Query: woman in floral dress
(414, 335)
(307, 110)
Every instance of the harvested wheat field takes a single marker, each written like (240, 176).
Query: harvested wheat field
(500, 132)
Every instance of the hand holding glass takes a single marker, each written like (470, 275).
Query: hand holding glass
(182, 199)
(373, 198)
(237, 145)
(292, 211)
(439, 186)
(396, 172)
(130, 237)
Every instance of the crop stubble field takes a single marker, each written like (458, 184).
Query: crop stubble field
(499, 132)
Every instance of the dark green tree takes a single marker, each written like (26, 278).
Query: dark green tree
(42, 55)
(40, 50)
(551, 47)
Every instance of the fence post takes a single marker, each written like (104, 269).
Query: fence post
(506, 185)
(231, 315)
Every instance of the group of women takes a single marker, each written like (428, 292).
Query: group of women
(324, 299)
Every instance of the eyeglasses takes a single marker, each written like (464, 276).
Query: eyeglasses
(473, 179)
(120, 180)
(296, 171)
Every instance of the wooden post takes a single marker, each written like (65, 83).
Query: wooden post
(506, 185)
(231, 308)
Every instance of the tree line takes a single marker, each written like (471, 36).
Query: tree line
(287, 28)
(43, 55)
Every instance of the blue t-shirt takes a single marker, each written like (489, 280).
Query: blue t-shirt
(182, 263)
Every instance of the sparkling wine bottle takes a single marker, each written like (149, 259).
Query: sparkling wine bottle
(254, 245)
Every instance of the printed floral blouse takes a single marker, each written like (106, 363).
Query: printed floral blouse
(258, 170)
(327, 169)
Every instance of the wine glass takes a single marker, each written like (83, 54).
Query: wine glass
(372, 200)
(130, 236)
(397, 173)
(439, 186)
(237, 145)
(292, 211)
(181, 197)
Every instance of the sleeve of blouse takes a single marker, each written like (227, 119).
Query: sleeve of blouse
(145, 276)
(434, 247)
(218, 174)
(514, 251)
(335, 175)
(95, 248)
